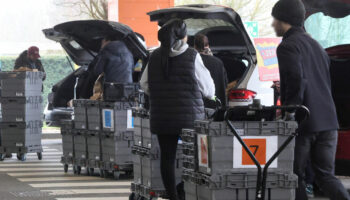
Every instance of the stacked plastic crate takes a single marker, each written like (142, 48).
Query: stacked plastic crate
(21, 105)
(217, 167)
(117, 132)
(147, 178)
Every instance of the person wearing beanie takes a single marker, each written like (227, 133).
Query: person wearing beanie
(176, 81)
(305, 80)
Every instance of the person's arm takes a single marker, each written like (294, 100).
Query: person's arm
(204, 79)
(144, 81)
(101, 63)
(18, 63)
(291, 74)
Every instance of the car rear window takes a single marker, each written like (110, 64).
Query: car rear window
(196, 25)
(328, 31)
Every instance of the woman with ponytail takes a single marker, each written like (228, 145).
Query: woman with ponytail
(176, 81)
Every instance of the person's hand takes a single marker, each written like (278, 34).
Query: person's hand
(289, 116)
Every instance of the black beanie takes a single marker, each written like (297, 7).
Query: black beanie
(290, 11)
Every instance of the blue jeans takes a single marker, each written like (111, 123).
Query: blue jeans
(320, 147)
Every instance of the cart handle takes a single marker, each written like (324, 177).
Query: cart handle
(262, 176)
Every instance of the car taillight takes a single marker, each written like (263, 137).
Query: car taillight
(152, 193)
(242, 94)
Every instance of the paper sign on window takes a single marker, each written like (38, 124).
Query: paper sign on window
(262, 147)
(203, 158)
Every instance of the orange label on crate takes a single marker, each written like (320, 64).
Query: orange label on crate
(204, 151)
(203, 157)
(258, 148)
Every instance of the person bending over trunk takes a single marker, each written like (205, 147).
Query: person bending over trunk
(215, 67)
(114, 60)
(176, 81)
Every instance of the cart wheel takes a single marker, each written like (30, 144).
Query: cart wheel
(65, 168)
(8, 155)
(2, 157)
(90, 171)
(116, 175)
(75, 169)
(132, 196)
(102, 173)
(105, 173)
(40, 155)
(129, 173)
(22, 157)
(78, 170)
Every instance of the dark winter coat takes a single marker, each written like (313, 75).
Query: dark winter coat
(176, 102)
(218, 73)
(24, 61)
(116, 61)
(305, 79)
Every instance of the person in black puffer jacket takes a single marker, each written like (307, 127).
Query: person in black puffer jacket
(176, 81)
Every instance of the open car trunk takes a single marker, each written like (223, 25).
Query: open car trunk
(82, 41)
(227, 36)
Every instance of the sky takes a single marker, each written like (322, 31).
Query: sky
(22, 22)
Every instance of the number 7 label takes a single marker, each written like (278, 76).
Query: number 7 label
(262, 147)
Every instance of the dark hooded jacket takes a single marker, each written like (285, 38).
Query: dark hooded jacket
(117, 63)
(24, 61)
(305, 79)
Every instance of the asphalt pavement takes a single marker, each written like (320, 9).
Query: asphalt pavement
(46, 180)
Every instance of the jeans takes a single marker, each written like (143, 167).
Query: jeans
(320, 147)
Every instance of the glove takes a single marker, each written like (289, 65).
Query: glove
(288, 116)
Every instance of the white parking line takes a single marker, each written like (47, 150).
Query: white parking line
(94, 198)
(26, 174)
(30, 169)
(86, 191)
(67, 178)
(29, 164)
(80, 184)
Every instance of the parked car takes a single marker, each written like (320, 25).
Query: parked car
(229, 41)
(82, 40)
(328, 22)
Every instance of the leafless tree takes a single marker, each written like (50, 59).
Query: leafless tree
(94, 9)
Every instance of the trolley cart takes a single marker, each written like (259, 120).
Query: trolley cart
(21, 138)
(116, 154)
(263, 172)
(80, 150)
(67, 144)
(94, 155)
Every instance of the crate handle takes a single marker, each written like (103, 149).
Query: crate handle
(262, 175)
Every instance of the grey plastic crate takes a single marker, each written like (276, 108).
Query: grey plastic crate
(80, 146)
(67, 143)
(190, 191)
(239, 186)
(116, 151)
(21, 136)
(117, 117)
(80, 116)
(141, 117)
(221, 144)
(20, 109)
(150, 166)
(137, 169)
(20, 84)
(93, 149)
(93, 115)
(253, 128)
